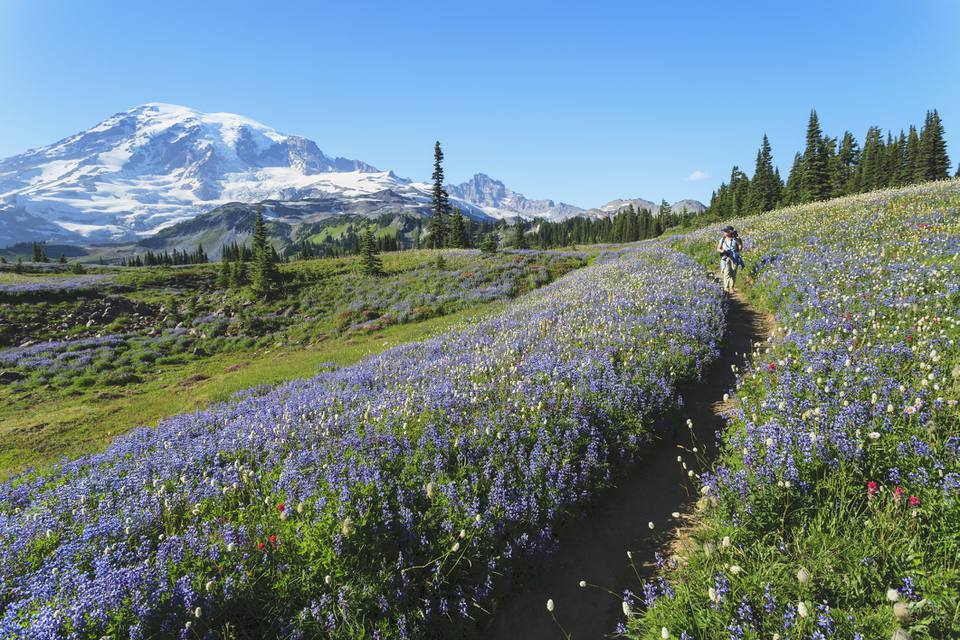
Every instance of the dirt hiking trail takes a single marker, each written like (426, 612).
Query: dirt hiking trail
(594, 547)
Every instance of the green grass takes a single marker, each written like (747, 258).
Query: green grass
(35, 431)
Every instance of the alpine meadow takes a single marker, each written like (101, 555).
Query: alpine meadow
(251, 389)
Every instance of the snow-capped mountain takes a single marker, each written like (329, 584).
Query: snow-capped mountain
(612, 207)
(153, 166)
(494, 198)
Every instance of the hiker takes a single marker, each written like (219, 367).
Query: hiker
(729, 248)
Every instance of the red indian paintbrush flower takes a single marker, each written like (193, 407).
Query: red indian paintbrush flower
(273, 540)
(871, 488)
(914, 501)
(280, 507)
(261, 546)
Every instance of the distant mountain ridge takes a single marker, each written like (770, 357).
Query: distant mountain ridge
(157, 165)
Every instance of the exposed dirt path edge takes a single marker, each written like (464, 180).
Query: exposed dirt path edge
(594, 548)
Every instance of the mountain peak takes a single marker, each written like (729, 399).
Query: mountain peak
(158, 163)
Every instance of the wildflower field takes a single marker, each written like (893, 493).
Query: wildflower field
(833, 512)
(376, 500)
(84, 357)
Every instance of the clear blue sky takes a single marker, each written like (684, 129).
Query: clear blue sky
(580, 102)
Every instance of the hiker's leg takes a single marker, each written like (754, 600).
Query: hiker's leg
(733, 277)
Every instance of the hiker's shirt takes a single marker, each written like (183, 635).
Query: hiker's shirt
(728, 262)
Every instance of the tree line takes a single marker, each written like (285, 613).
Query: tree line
(167, 258)
(830, 167)
(627, 225)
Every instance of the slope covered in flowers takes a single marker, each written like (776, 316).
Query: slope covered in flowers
(371, 501)
(834, 510)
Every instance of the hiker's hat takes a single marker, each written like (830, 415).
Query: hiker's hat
(728, 229)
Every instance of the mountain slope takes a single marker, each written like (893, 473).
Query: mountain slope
(494, 198)
(149, 168)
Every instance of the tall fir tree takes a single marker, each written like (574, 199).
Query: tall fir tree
(933, 163)
(370, 263)
(844, 168)
(520, 236)
(223, 276)
(441, 202)
(264, 276)
(793, 190)
(764, 189)
(913, 153)
(665, 211)
(457, 237)
(870, 171)
(816, 176)
(489, 243)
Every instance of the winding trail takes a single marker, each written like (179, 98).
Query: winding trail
(593, 547)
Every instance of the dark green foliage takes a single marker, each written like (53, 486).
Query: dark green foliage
(872, 169)
(520, 235)
(223, 276)
(489, 243)
(816, 174)
(77, 268)
(628, 225)
(265, 279)
(39, 255)
(441, 202)
(843, 170)
(234, 251)
(370, 263)
(730, 199)
(238, 275)
(933, 163)
(176, 257)
(829, 168)
(458, 234)
(763, 191)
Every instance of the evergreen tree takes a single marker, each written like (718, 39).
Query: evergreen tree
(62, 259)
(933, 163)
(238, 275)
(458, 235)
(665, 211)
(764, 187)
(520, 236)
(871, 161)
(441, 202)
(223, 277)
(39, 255)
(489, 243)
(844, 166)
(816, 177)
(265, 277)
(793, 190)
(370, 263)
(901, 171)
(913, 153)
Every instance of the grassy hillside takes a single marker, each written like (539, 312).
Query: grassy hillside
(92, 356)
(834, 511)
(377, 500)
